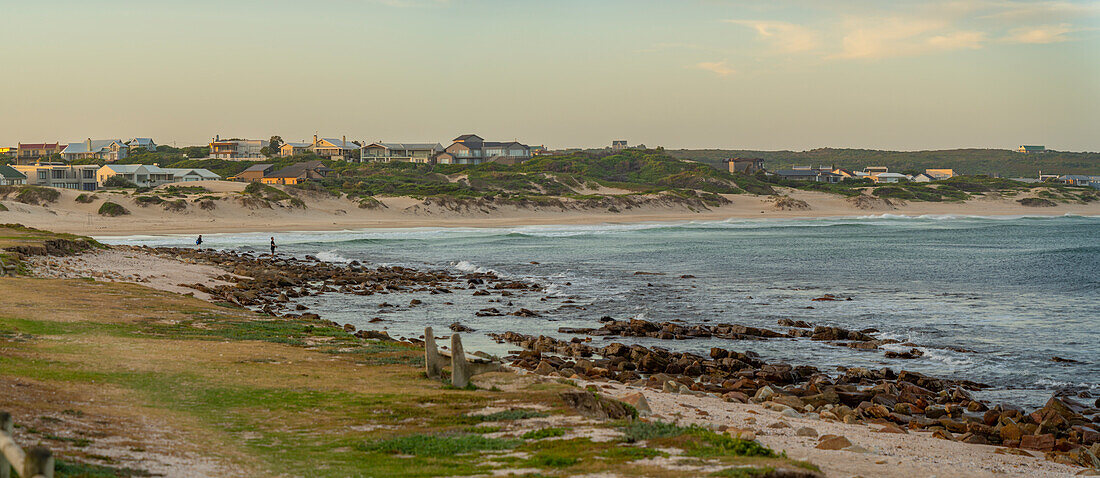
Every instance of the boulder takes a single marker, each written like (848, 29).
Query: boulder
(833, 442)
(806, 432)
(1044, 442)
(638, 401)
(591, 406)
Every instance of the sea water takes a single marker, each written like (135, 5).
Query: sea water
(1017, 291)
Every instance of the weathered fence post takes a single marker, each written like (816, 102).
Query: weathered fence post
(6, 426)
(460, 373)
(39, 462)
(433, 363)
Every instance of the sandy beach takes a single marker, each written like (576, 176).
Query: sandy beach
(324, 213)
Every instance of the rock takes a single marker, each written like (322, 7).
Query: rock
(806, 432)
(458, 327)
(1012, 451)
(1044, 442)
(591, 406)
(779, 424)
(735, 397)
(544, 368)
(638, 401)
(892, 429)
(857, 449)
(790, 401)
(833, 442)
(763, 394)
(973, 439)
(943, 435)
(791, 413)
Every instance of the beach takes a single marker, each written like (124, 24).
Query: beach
(326, 213)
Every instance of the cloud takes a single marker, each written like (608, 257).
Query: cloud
(787, 37)
(719, 68)
(957, 40)
(1041, 34)
(870, 37)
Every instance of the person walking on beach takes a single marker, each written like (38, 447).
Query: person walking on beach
(198, 242)
(272, 247)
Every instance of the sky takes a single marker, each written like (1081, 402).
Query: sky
(780, 74)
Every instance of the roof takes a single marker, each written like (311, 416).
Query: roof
(259, 168)
(204, 173)
(339, 143)
(298, 145)
(8, 172)
(798, 172)
(298, 169)
(38, 145)
(741, 160)
(890, 175)
(490, 144)
(467, 137)
(407, 146)
(96, 145)
(133, 168)
(140, 141)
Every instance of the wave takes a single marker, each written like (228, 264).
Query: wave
(331, 256)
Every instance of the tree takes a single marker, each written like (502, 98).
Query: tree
(274, 145)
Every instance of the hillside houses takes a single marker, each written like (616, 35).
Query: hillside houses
(335, 149)
(473, 149)
(30, 153)
(406, 152)
(109, 150)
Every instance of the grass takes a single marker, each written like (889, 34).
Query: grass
(111, 209)
(437, 445)
(543, 433)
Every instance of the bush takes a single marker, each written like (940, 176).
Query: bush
(207, 205)
(3, 207)
(37, 195)
(437, 445)
(145, 201)
(176, 205)
(85, 198)
(543, 433)
(111, 209)
(118, 182)
(1037, 202)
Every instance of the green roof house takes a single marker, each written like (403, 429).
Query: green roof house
(9, 176)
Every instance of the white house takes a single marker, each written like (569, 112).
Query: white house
(144, 143)
(143, 175)
(888, 177)
(101, 149)
(195, 174)
(407, 152)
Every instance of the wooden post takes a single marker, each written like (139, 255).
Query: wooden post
(39, 463)
(460, 373)
(6, 426)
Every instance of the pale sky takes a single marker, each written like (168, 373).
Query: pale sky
(784, 74)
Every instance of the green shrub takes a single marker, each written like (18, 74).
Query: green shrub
(1037, 202)
(117, 181)
(175, 205)
(517, 414)
(145, 201)
(640, 431)
(111, 209)
(543, 433)
(85, 198)
(3, 207)
(37, 195)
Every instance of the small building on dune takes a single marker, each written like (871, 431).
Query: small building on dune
(406, 152)
(97, 149)
(888, 177)
(10, 176)
(254, 173)
(180, 175)
(60, 175)
(143, 175)
(143, 143)
(30, 153)
(291, 149)
(332, 148)
(298, 173)
(745, 165)
(940, 173)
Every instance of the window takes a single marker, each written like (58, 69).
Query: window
(89, 173)
(43, 174)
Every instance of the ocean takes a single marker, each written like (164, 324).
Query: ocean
(1017, 291)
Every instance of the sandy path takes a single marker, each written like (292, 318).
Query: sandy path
(126, 265)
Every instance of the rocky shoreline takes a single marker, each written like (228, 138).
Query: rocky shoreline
(1066, 429)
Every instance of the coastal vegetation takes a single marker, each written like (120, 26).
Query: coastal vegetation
(963, 161)
(111, 209)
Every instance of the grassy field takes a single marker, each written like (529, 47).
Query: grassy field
(123, 380)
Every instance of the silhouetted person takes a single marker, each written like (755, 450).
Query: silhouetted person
(272, 247)
(198, 242)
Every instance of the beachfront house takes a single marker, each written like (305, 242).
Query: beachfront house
(236, 149)
(1026, 149)
(805, 173)
(96, 149)
(254, 173)
(298, 173)
(888, 177)
(472, 149)
(940, 173)
(180, 175)
(10, 176)
(404, 152)
(291, 149)
(60, 175)
(30, 153)
(618, 145)
(923, 178)
(143, 143)
(745, 165)
(1081, 180)
(142, 175)
(336, 149)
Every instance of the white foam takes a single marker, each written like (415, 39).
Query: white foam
(331, 256)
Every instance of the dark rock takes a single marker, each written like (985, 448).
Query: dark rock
(591, 406)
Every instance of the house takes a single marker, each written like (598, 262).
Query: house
(30, 153)
(298, 173)
(236, 148)
(618, 145)
(745, 165)
(332, 148)
(291, 149)
(924, 178)
(406, 152)
(940, 173)
(98, 149)
(10, 176)
(888, 177)
(845, 173)
(254, 173)
(9, 151)
(873, 170)
(472, 149)
(1031, 149)
(180, 175)
(807, 173)
(143, 175)
(60, 175)
(1081, 180)
(143, 143)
